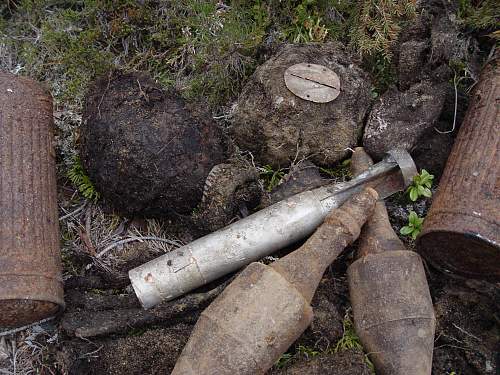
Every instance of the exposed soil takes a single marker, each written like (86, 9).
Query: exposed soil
(147, 342)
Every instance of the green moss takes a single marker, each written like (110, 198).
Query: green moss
(350, 340)
(205, 49)
(271, 177)
(341, 171)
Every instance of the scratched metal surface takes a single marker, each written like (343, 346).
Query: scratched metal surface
(30, 271)
(461, 233)
(312, 82)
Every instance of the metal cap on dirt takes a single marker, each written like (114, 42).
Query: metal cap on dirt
(312, 82)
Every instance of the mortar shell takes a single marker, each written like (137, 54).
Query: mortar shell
(248, 327)
(393, 313)
(30, 271)
(461, 232)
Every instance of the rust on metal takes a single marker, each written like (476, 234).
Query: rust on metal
(461, 232)
(312, 82)
(391, 302)
(30, 270)
(266, 308)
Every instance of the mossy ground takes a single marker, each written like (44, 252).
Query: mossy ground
(205, 48)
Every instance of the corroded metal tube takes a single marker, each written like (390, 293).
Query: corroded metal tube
(461, 232)
(30, 272)
(260, 234)
(266, 308)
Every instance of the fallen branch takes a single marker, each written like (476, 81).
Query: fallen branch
(82, 324)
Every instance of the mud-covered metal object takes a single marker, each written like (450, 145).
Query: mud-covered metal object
(312, 82)
(30, 272)
(391, 302)
(260, 234)
(266, 308)
(461, 232)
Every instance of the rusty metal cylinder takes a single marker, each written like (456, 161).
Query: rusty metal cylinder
(266, 308)
(30, 270)
(461, 233)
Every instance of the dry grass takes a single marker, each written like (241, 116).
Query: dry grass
(28, 351)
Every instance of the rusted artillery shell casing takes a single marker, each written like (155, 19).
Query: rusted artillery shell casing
(393, 313)
(266, 308)
(30, 272)
(392, 306)
(461, 232)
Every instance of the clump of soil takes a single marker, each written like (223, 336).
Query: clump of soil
(398, 119)
(279, 127)
(143, 148)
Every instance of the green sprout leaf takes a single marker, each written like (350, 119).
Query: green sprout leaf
(414, 226)
(421, 185)
(406, 230)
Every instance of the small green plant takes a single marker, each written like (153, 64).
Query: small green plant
(81, 181)
(307, 352)
(479, 15)
(350, 339)
(421, 185)
(284, 360)
(306, 27)
(414, 226)
(271, 177)
(341, 171)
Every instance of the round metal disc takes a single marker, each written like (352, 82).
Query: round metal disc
(312, 82)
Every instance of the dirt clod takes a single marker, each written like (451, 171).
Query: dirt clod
(142, 147)
(279, 127)
(231, 190)
(398, 119)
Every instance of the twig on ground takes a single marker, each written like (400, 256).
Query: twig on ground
(465, 332)
(15, 330)
(140, 239)
(73, 213)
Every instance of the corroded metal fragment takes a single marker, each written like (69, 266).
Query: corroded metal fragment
(390, 298)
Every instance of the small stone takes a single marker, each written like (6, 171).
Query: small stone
(432, 151)
(304, 176)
